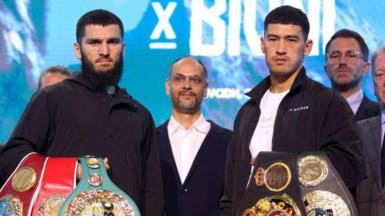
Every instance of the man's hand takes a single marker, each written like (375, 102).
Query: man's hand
(79, 169)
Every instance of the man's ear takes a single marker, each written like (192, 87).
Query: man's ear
(262, 46)
(167, 86)
(77, 51)
(205, 90)
(366, 68)
(308, 46)
(124, 48)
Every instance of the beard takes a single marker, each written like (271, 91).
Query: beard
(186, 108)
(342, 87)
(102, 79)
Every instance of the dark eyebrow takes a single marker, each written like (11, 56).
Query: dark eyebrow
(114, 40)
(93, 40)
(271, 35)
(292, 36)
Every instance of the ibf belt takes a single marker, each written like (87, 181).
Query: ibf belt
(274, 187)
(97, 195)
(323, 191)
(58, 181)
(16, 195)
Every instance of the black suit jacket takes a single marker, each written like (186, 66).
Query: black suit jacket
(204, 184)
(367, 109)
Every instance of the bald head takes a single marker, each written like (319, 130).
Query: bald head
(191, 61)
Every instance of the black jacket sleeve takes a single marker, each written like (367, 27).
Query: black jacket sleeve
(341, 142)
(153, 203)
(29, 135)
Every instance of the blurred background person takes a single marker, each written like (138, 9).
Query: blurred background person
(346, 66)
(53, 75)
(371, 191)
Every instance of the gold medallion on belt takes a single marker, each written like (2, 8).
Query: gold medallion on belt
(24, 179)
(312, 170)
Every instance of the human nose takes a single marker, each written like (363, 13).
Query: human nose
(104, 49)
(281, 49)
(343, 59)
(187, 83)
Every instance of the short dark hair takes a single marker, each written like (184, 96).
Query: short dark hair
(97, 17)
(204, 69)
(53, 70)
(288, 15)
(346, 33)
(379, 51)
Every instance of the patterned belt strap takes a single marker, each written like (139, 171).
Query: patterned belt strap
(18, 192)
(96, 194)
(58, 181)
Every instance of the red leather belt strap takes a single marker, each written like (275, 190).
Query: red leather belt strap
(20, 186)
(58, 180)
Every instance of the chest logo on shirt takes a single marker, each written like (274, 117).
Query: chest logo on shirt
(300, 108)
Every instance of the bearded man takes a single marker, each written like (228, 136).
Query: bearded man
(89, 114)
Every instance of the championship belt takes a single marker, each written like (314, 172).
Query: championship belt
(57, 182)
(323, 191)
(273, 189)
(17, 194)
(97, 195)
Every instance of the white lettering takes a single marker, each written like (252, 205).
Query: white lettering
(163, 20)
(201, 15)
(208, 30)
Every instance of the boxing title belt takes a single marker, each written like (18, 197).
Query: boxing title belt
(323, 190)
(273, 188)
(18, 192)
(96, 194)
(58, 181)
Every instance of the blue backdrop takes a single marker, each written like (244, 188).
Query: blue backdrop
(224, 33)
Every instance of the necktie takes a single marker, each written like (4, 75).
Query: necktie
(383, 162)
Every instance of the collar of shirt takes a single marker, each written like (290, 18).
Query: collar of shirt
(200, 125)
(383, 125)
(354, 100)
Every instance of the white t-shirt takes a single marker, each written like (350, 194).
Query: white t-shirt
(263, 133)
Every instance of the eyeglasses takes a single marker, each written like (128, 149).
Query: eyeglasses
(351, 56)
(180, 79)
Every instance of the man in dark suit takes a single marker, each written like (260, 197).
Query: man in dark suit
(371, 192)
(192, 149)
(346, 65)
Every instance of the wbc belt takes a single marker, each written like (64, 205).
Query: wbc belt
(96, 194)
(18, 192)
(58, 181)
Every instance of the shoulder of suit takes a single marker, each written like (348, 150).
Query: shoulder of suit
(368, 120)
(218, 129)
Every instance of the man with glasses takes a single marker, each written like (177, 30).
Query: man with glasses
(346, 66)
(192, 149)
(371, 191)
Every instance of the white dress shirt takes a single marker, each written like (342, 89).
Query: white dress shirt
(185, 143)
(355, 100)
(263, 133)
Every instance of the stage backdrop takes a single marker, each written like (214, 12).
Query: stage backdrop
(35, 34)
